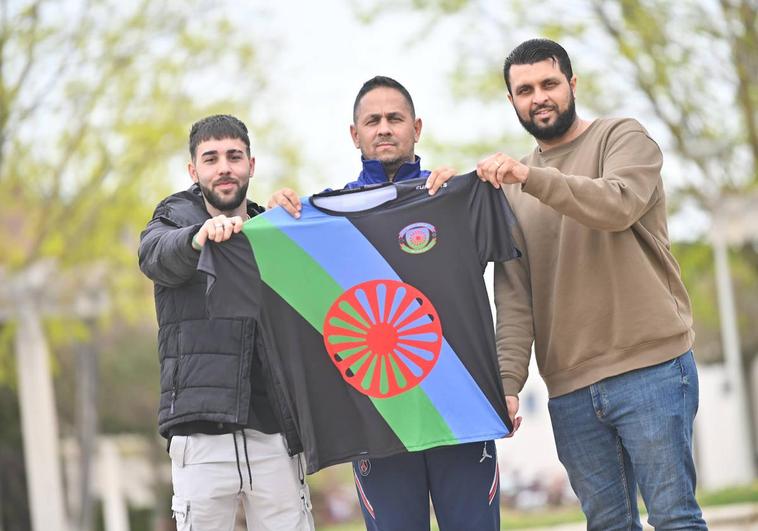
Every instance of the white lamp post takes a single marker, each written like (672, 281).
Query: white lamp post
(735, 221)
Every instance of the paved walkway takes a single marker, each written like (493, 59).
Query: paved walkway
(738, 517)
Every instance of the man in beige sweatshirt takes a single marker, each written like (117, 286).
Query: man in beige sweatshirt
(599, 294)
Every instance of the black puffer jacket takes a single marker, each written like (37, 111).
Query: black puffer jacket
(205, 363)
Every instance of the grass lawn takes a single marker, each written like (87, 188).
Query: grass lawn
(512, 519)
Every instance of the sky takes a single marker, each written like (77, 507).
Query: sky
(323, 54)
(317, 55)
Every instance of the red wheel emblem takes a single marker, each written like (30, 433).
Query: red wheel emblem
(384, 336)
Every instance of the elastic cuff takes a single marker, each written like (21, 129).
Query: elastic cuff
(537, 180)
(511, 387)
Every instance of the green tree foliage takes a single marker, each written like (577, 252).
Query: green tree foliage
(690, 67)
(687, 70)
(695, 64)
(96, 99)
(696, 261)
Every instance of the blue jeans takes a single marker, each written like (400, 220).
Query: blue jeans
(628, 430)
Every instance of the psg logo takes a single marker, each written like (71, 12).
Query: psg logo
(417, 238)
(384, 336)
(364, 465)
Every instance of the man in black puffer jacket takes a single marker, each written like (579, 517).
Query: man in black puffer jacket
(220, 408)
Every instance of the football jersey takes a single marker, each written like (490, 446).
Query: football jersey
(375, 320)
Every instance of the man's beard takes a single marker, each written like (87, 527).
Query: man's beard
(392, 164)
(557, 129)
(220, 203)
(391, 167)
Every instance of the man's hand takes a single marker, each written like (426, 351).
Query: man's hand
(438, 178)
(218, 229)
(511, 403)
(499, 169)
(287, 199)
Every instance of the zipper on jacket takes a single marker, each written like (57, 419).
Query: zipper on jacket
(175, 387)
(240, 372)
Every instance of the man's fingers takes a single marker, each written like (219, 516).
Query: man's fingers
(218, 230)
(275, 200)
(293, 198)
(288, 200)
(213, 228)
(487, 169)
(228, 230)
(503, 169)
(430, 181)
(512, 404)
(291, 203)
(201, 236)
(292, 209)
(516, 426)
(511, 171)
(438, 178)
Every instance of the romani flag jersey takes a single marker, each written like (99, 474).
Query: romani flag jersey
(375, 319)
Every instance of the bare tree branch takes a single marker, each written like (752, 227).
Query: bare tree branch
(679, 129)
(66, 50)
(29, 55)
(743, 46)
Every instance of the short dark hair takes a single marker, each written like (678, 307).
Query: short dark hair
(534, 51)
(219, 127)
(378, 82)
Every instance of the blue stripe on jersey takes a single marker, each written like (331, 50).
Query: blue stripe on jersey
(350, 259)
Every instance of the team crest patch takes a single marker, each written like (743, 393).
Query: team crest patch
(364, 466)
(417, 238)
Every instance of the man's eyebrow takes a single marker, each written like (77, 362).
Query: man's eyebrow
(211, 152)
(390, 114)
(540, 82)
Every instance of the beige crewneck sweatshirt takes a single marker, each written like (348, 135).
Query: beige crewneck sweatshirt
(597, 290)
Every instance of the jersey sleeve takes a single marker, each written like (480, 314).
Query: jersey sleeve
(491, 221)
(238, 296)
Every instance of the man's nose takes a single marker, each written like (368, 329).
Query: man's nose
(384, 127)
(539, 97)
(224, 166)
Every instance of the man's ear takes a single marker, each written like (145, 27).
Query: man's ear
(417, 125)
(252, 166)
(192, 172)
(354, 135)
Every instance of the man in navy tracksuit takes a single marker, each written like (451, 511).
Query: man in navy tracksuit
(462, 480)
